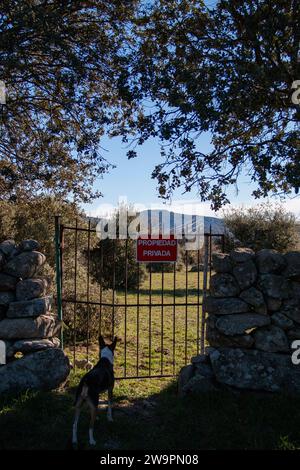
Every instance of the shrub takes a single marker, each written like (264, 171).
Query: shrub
(108, 264)
(262, 226)
(113, 259)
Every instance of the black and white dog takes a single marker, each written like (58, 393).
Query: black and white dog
(97, 380)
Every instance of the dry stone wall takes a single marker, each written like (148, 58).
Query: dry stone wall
(28, 324)
(253, 316)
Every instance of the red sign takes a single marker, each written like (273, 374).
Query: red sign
(156, 250)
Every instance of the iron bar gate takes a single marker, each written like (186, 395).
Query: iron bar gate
(160, 322)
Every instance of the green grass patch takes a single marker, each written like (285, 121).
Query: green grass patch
(149, 415)
(155, 338)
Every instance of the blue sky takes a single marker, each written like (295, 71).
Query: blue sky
(132, 179)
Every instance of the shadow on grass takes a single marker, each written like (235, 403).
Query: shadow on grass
(157, 420)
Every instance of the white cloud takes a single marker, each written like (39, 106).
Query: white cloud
(195, 207)
(293, 205)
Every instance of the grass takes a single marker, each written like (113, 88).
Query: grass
(156, 340)
(148, 415)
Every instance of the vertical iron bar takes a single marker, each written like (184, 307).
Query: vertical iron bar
(162, 322)
(174, 315)
(88, 291)
(114, 287)
(75, 296)
(58, 274)
(101, 288)
(125, 326)
(61, 246)
(61, 249)
(198, 298)
(210, 251)
(150, 316)
(205, 270)
(138, 322)
(186, 307)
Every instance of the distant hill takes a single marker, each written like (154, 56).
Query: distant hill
(163, 218)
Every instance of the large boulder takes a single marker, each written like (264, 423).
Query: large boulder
(270, 261)
(6, 298)
(199, 384)
(29, 245)
(242, 255)
(217, 339)
(2, 259)
(293, 333)
(44, 326)
(255, 370)
(273, 285)
(295, 291)
(8, 248)
(7, 283)
(223, 285)
(31, 289)
(271, 339)
(254, 298)
(291, 309)
(273, 304)
(44, 370)
(29, 308)
(245, 274)
(3, 310)
(281, 320)
(225, 306)
(26, 346)
(185, 374)
(25, 265)
(222, 263)
(202, 365)
(239, 324)
(293, 264)
(200, 359)
(9, 349)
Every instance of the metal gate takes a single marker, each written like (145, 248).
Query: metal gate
(160, 322)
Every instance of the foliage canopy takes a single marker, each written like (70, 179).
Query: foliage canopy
(61, 66)
(226, 69)
(167, 69)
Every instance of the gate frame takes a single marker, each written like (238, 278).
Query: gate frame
(59, 247)
(58, 265)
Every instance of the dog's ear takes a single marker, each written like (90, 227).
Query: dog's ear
(101, 342)
(113, 344)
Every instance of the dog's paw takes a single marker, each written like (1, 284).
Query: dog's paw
(92, 442)
(75, 445)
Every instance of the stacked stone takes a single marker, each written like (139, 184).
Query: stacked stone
(253, 317)
(254, 300)
(27, 324)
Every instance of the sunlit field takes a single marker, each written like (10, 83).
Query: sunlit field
(156, 337)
